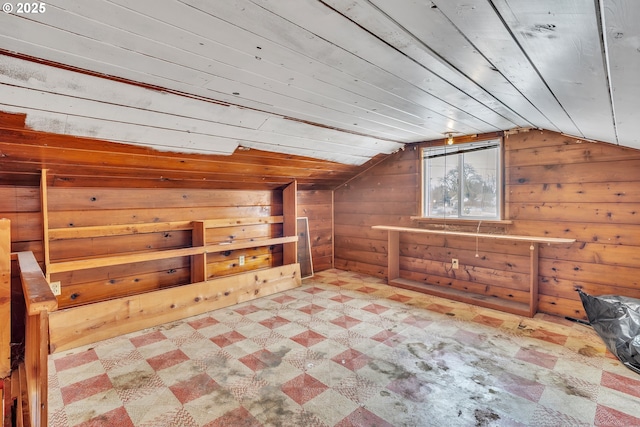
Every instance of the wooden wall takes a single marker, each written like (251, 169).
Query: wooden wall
(555, 186)
(84, 207)
(21, 205)
(93, 182)
(93, 206)
(5, 300)
(317, 206)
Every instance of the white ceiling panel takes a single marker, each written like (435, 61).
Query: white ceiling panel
(339, 80)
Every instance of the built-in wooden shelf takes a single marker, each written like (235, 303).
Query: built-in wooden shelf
(109, 261)
(394, 279)
(81, 322)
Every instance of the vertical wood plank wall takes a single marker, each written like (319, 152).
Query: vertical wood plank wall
(555, 186)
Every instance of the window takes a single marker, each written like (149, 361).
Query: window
(462, 181)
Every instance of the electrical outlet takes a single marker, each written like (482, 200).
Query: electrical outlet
(454, 263)
(56, 288)
(241, 260)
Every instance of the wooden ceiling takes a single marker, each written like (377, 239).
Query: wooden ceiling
(336, 80)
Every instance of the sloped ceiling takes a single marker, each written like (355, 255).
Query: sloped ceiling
(338, 80)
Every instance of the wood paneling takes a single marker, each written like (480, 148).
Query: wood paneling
(5, 297)
(556, 186)
(69, 207)
(76, 326)
(317, 206)
(83, 162)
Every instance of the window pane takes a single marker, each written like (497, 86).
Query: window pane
(443, 186)
(462, 181)
(479, 195)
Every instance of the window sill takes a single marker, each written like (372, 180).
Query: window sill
(461, 221)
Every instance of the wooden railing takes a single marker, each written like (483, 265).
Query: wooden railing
(33, 373)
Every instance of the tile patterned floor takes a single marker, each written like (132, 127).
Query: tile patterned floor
(347, 350)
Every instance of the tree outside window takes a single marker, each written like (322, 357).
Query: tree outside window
(474, 193)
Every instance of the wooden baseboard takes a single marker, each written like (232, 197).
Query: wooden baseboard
(77, 326)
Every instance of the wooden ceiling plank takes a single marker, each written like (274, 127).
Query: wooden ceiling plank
(159, 139)
(483, 27)
(137, 156)
(69, 161)
(621, 19)
(282, 126)
(101, 57)
(401, 24)
(134, 76)
(18, 72)
(389, 94)
(562, 41)
(163, 40)
(193, 134)
(256, 41)
(323, 23)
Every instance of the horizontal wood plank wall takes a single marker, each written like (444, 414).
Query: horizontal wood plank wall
(556, 186)
(83, 207)
(385, 194)
(85, 162)
(318, 207)
(563, 187)
(21, 205)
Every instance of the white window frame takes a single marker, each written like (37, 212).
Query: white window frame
(456, 154)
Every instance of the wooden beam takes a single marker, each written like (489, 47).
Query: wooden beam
(5, 297)
(393, 255)
(199, 261)
(533, 279)
(37, 293)
(290, 222)
(6, 402)
(44, 201)
(81, 325)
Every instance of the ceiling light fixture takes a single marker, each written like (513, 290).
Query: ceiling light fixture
(449, 139)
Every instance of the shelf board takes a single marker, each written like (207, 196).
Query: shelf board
(533, 239)
(232, 246)
(487, 301)
(109, 261)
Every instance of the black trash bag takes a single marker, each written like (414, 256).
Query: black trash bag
(617, 320)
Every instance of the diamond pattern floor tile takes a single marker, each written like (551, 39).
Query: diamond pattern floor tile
(303, 388)
(346, 350)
